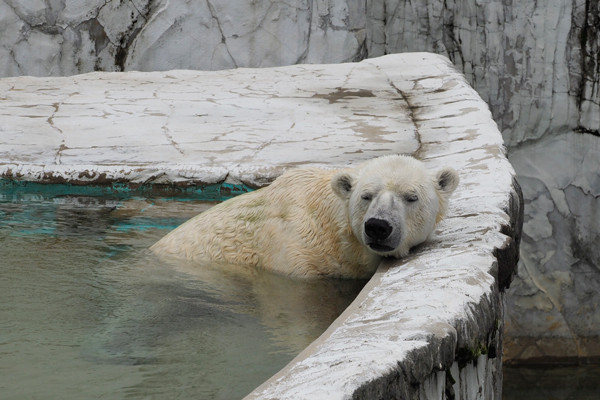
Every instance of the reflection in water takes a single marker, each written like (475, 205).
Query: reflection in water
(551, 383)
(88, 312)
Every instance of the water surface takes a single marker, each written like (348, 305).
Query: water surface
(88, 313)
(551, 383)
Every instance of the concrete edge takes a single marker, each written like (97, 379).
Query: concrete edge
(456, 353)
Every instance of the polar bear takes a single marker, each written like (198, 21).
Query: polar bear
(314, 222)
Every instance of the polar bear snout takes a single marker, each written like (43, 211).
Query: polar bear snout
(380, 236)
(378, 229)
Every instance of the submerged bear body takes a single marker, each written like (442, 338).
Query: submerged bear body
(314, 222)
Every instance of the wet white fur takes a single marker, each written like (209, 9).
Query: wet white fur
(309, 222)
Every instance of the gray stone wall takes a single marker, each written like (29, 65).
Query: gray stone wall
(534, 62)
(66, 37)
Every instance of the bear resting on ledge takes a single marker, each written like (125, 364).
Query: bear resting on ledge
(312, 222)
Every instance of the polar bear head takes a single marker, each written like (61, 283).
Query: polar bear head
(394, 202)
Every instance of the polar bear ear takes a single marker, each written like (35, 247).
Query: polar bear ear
(446, 180)
(342, 183)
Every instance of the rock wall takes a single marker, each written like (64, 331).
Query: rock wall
(535, 63)
(66, 37)
(537, 66)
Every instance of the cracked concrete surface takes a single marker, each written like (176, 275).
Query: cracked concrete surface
(124, 126)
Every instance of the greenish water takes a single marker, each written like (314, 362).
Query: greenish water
(551, 383)
(88, 313)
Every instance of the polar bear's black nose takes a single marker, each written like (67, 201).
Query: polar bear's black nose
(377, 229)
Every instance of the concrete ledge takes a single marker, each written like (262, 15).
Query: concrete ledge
(197, 128)
(423, 326)
(431, 324)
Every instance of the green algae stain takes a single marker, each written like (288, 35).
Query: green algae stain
(216, 192)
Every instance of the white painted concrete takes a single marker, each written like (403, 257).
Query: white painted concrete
(242, 125)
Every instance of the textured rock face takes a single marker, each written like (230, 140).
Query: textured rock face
(247, 34)
(536, 63)
(552, 308)
(60, 37)
(65, 37)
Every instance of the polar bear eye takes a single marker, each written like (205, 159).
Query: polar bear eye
(411, 197)
(367, 196)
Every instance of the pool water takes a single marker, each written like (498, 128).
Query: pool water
(581, 382)
(87, 312)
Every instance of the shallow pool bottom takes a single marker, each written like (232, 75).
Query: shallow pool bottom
(88, 312)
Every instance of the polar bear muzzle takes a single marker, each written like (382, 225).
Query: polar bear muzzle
(377, 229)
(377, 232)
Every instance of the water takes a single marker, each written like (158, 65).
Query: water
(88, 313)
(551, 383)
